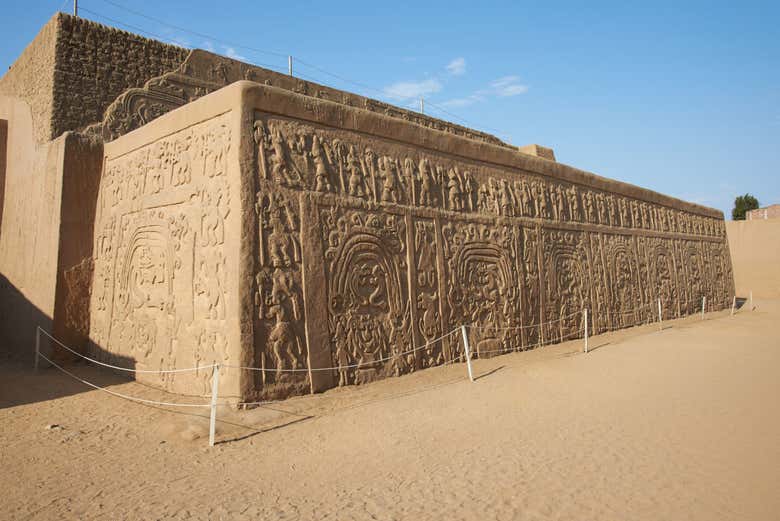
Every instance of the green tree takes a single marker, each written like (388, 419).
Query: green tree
(743, 204)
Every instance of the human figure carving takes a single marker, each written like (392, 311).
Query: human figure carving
(426, 182)
(483, 199)
(278, 245)
(409, 175)
(454, 190)
(505, 198)
(470, 191)
(284, 342)
(182, 173)
(574, 204)
(321, 177)
(280, 169)
(541, 195)
(389, 177)
(355, 174)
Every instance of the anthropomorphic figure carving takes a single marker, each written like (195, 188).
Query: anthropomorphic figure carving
(524, 196)
(342, 352)
(281, 169)
(426, 183)
(541, 197)
(505, 198)
(554, 203)
(387, 171)
(588, 204)
(369, 173)
(284, 342)
(469, 191)
(355, 174)
(635, 216)
(409, 175)
(213, 226)
(454, 190)
(208, 285)
(623, 213)
(601, 214)
(483, 199)
(560, 202)
(182, 164)
(262, 141)
(278, 245)
(321, 177)
(574, 204)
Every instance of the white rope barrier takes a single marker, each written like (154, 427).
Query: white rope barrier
(156, 371)
(467, 354)
(553, 341)
(120, 395)
(504, 328)
(630, 311)
(350, 366)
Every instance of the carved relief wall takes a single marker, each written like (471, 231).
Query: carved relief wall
(335, 254)
(413, 242)
(159, 293)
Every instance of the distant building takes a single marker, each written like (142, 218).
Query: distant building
(768, 212)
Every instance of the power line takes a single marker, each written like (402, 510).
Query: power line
(273, 67)
(194, 33)
(339, 77)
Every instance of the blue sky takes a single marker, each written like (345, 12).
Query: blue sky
(682, 99)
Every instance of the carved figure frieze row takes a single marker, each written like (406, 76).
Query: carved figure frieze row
(301, 157)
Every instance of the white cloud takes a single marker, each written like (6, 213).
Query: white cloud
(463, 102)
(502, 88)
(208, 46)
(404, 90)
(508, 86)
(230, 52)
(457, 66)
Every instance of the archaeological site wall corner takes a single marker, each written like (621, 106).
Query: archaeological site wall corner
(165, 208)
(262, 228)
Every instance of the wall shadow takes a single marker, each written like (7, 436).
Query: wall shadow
(19, 383)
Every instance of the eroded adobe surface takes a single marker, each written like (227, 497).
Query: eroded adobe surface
(265, 228)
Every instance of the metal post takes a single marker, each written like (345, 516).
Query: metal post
(214, 395)
(37, 346)
(733, 305)
(75, 7)
(466, 350)
(422, 105)
(751, 301)
(703, 304)
(289, 65)
(660, 317)
(585, 312)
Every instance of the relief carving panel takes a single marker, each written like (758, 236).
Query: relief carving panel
(159, 292)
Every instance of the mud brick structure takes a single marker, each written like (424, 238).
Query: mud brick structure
(201, 210)
(768, 212)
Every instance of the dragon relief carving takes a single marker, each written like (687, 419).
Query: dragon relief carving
(482, 286)
(367, 294)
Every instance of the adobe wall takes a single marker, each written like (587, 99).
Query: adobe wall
(769, 212)
(264, 228)
(31, 79)
(168, 243)
(95, 64)
(755, 253)
(75, 68)
(31, 227)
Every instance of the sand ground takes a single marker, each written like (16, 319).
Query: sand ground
(678, 424)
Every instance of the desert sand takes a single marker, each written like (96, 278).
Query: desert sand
(682, 423)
